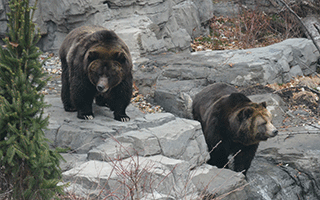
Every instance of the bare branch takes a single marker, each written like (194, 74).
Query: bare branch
(316, 26)
(299, 19)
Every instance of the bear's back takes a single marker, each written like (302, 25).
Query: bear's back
(81, 39)
(76, 35)
(210, 94)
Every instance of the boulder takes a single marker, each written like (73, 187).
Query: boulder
(172, 80)
(219, 183)
(286, 167)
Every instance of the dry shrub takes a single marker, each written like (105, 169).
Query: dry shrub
(250, 29)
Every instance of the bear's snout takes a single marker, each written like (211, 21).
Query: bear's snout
(275, 132)
(102, 85)
(100, 88)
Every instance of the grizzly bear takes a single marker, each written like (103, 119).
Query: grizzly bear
(96, 64)
(231, 118)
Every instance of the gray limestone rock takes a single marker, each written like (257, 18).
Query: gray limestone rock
(286, 167)
(157, 150)
(174, 79)
(147, 27)
(213, 183)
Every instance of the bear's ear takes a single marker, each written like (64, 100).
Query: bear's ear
(105, 35)
(245, 113)
(236, 98)
(264, 104)
(120, 57)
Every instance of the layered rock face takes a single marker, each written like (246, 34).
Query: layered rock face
(172, 80)
(146, 26)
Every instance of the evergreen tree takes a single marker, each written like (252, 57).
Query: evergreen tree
(29, 169)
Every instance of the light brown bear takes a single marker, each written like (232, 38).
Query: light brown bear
(96, 63)
(232, 118)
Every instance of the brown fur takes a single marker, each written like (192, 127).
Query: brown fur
(230, 117)
(96, 63)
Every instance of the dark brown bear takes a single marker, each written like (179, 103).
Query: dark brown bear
(96, 63)
(230, 117)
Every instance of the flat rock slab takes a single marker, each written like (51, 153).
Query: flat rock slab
(287, 166)
(214, 182)
(158, 153)
(66, 130)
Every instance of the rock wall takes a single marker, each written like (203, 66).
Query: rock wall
(146, 26)
(172, 80)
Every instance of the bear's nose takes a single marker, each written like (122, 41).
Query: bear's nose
(275, 132)
(100, 88)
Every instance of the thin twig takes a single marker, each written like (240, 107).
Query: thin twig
(299, 19)
(316, 26)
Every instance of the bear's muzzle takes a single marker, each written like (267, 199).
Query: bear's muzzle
(102, 85)
(272, 130)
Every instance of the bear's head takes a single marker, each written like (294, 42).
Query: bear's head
(252, 123)
(105, 68)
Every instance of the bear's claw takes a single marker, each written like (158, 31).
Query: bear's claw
(125, 119)
(88, 117)
(122, 117)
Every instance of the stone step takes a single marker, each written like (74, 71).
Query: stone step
(153, 177)
(179, 139)
(149, 175)
(67, 131)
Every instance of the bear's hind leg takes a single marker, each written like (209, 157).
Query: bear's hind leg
(65, 90)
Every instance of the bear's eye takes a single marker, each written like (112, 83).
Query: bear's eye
(263, 124)
(120, 57)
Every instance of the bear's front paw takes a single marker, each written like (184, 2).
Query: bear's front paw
(70, 109)
(88, 117)
(122, 118)
(85, 116)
